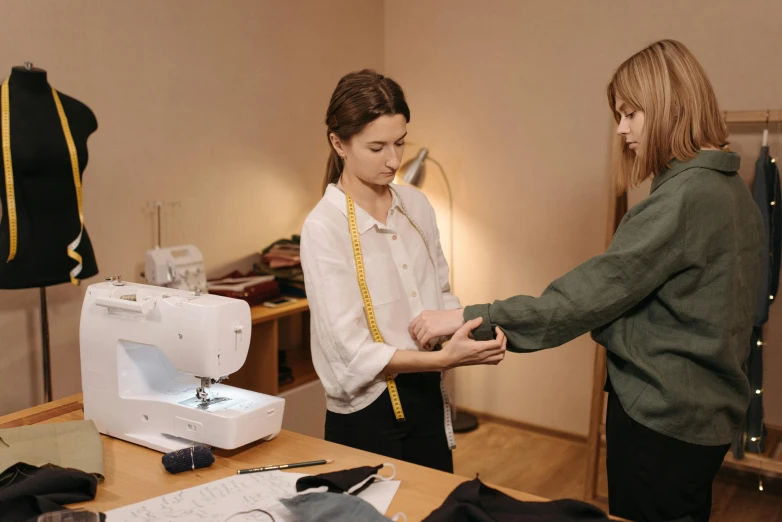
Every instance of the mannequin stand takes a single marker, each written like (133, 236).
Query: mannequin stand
(47, 375)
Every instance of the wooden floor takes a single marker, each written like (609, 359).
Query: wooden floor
(555, 468)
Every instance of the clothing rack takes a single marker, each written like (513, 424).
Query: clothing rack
(597, 429)
(767, 116)
(769, 462)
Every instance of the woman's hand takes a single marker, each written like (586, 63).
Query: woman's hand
(431, 324)
(464, 351)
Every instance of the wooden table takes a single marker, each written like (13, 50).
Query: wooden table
(135, 473)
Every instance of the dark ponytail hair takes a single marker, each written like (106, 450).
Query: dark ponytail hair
(359, 99)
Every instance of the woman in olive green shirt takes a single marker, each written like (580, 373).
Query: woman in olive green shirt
(672, 299)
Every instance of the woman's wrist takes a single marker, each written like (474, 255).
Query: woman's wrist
(443, 361)
(412, 361)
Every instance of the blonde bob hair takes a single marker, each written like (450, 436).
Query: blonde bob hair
(681, 115)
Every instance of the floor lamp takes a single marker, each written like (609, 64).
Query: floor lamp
(413, 173)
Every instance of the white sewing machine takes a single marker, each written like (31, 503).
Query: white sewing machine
(151, 361)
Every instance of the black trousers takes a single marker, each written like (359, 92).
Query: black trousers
(420, 439)
(655, 478)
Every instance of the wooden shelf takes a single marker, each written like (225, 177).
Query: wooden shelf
(262, 314)
(755, 463)
(294, 340)
(285, 327)
(770, 116)
(300, 361)
(768, 462)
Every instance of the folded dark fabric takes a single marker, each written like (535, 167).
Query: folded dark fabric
(29, 491)
(340, 481)
(474, 501)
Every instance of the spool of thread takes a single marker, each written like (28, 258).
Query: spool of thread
(188, 459)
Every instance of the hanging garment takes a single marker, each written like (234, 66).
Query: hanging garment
(766, 192)
(755, 431)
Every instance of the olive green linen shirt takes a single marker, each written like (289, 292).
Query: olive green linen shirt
(672, 300)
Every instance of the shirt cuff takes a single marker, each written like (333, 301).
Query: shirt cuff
(484, 332)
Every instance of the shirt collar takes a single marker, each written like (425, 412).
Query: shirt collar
(727, 162)
(364, 220)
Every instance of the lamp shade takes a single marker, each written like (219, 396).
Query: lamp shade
(413, 170)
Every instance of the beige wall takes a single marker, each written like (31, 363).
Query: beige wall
(217, 105)
(510, 97)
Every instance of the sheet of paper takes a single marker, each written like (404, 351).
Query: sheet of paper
(218, 500)
(380, 494)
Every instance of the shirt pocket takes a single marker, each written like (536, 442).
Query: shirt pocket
(381, 278)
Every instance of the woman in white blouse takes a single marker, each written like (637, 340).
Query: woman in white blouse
(365, 370)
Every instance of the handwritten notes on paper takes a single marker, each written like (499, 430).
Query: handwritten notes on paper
(217, 501)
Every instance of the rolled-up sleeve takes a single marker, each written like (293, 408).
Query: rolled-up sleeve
(339, 321)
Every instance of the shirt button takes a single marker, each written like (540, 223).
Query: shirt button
(415, 295)
(393, 237)
(404, 266)
(391, 211)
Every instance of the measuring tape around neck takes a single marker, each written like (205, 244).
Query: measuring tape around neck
(368, 308)
(5, 116)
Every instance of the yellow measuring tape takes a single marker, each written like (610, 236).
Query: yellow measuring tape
(9, 178)
(368, 308)
(9, 173)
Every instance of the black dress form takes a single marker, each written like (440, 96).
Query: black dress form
(46, 205)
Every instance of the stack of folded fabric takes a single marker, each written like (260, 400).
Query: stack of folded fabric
(282, 254)
(282, 260)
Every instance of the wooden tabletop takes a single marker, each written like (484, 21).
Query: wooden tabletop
(135, 473)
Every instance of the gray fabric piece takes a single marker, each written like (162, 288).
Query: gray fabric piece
(327, 507)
